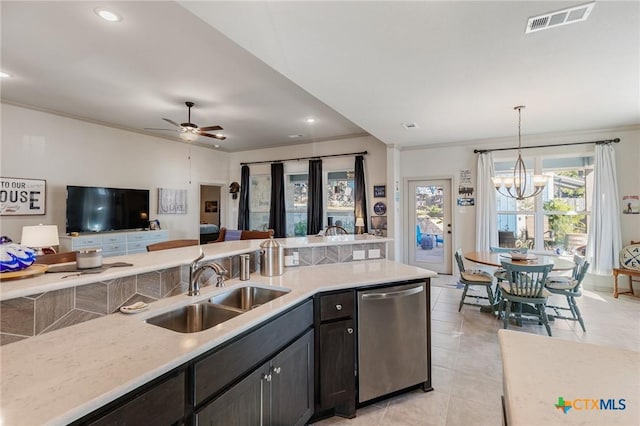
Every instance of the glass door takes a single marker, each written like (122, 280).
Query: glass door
(430, 224)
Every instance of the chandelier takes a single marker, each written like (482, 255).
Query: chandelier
(517, 186)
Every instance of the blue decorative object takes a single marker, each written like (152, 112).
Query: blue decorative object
(14, 257)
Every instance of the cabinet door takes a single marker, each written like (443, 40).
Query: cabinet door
(337, 367)
(292, 385)
(245, 404)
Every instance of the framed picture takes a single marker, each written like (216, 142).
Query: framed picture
(172, 201)
(379, 191)
(21, 197)
(378, 226)
(211, 207)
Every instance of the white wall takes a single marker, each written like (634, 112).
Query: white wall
(66, 151)
(374, 162)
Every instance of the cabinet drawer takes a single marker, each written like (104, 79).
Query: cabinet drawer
(110, 239)
(87, 241)
(113, 247)
(141, 236)
(339, 305)
(137, 246)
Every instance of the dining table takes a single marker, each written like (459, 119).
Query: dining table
(495, 259)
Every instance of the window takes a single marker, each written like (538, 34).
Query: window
(259, 202)
(557, 219)
(340, 201)
(296, 193)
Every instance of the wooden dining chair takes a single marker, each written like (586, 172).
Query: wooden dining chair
(335, 230)
(525, 286)
(473, 277)
(164, 245)
(569, 287)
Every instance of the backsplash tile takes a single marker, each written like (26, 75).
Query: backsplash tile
(27, 316)
(51, 306)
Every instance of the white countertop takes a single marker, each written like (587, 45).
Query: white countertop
(163, 259)
(58, 377)
(540, 369)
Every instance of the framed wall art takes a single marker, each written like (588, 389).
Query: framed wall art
(20, 197)
(379, 191)
(172, 201)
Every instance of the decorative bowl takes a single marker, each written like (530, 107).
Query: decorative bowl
(14, 257)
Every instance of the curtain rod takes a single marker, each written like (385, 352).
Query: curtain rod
(305, 158)
(482, 151)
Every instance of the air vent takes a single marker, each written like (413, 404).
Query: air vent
(560, 17)
(410, 126)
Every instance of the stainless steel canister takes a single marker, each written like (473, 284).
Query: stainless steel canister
(271, 258)
(245, 266)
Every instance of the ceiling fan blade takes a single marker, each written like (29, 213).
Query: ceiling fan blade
(210, 128)
(209, 135)
(171, 122)
(169, 130)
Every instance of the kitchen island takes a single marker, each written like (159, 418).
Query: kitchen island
(61, 376)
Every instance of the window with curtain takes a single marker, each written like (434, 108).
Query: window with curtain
(340, 199)
(259, 202)
(296, 195)
(556, 220)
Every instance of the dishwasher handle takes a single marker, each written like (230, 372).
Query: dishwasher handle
(392, 294)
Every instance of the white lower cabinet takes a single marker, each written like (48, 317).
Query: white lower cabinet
(114, 243)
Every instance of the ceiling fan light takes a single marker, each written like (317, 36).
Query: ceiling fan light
(188, 136)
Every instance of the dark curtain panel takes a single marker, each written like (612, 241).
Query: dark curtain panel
(243, 209)
(314, 198)
(360, 193)
(277, 213)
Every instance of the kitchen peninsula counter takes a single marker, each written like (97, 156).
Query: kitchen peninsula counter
(58, 377)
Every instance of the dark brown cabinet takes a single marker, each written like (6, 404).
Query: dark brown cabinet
(335, 352)
(280, 392)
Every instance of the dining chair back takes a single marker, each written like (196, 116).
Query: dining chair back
(164, 245)
(525, 286)
(335, 230)
(474, 277)
(570, 288)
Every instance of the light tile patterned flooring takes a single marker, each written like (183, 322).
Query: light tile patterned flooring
(466, 362)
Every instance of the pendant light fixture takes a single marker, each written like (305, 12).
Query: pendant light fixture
(517, 186)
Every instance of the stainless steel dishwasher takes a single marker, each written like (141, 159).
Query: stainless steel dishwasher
(392, 339)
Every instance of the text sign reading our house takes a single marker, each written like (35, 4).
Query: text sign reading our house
(22, 196)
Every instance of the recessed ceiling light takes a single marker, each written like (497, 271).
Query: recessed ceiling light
(107, 15)
(409, 126)
(5, 74)
(310, 120)
(216, 146)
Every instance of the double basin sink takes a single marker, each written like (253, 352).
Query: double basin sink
(216, 310)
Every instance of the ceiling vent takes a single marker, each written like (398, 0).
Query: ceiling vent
(560, 17)
(410, 126)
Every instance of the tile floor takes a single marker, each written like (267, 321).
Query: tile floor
(466, 363)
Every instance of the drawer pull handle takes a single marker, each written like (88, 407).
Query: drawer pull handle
(339, 307)
(350, 330)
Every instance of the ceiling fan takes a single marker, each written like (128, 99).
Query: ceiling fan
(188, 131)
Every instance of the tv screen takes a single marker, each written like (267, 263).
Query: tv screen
(91, 209)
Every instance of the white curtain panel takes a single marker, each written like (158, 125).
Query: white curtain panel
(605, 241)
(486, 218)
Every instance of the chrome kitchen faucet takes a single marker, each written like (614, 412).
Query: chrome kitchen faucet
(195, 271)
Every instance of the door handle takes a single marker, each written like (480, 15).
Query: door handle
(399, 293)
(448, 232)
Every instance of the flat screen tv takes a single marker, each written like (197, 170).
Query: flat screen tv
(91, 209)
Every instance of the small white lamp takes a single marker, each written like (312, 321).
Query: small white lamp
(40, 237)
(359, 224)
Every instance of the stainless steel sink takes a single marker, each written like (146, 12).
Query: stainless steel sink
(194, 318)
(247, 298)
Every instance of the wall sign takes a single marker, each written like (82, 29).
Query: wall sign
(379, 191)
(172, 201)
(22, 196)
